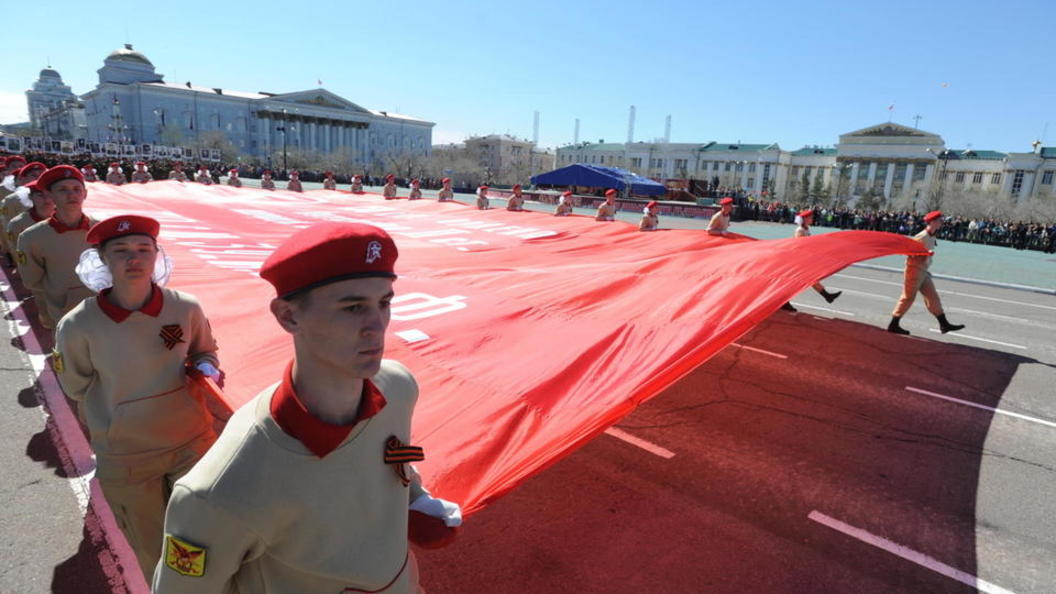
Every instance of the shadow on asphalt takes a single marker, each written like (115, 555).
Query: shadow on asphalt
(760, 442)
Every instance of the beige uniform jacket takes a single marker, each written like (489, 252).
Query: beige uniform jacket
(141, 177)
(129, 377)
(177, 175)
(357, 186)
(12, 207)
(922, 262)
(719, 223)
(294, 185)
(263, 514)
(47, 257)
(267, 184)
(234, 182)
(117, 179)
(389, 191)
(606, 212)
(329, 184)
(446, 195)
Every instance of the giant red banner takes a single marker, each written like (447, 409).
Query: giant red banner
(529, 334)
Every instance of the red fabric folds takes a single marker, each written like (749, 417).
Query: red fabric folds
(529, 334)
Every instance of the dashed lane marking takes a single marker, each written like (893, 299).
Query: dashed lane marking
(908, 554)
(648, 446)
(981, 339)
(1007, 413)
(760, 351)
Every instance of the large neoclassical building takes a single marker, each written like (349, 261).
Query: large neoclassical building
(133, 105)
(900, 163)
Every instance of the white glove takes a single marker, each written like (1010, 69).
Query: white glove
(208, 370)
(447, 511)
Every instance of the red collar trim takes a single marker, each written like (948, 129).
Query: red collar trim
(119, 314)
(59, 227)
(318, 436)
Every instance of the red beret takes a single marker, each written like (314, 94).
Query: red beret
(327, 253)
(390, 177)
(931, 216)
(725, 201)
(415, 181)
(267, 172)
(34, 186)
(357, 176)
(89, 167)
(446, 180)
(295, 172)
(115, 164)
(611, 192)
(516, 186)
(57, 174)
(651, 205)
(328, 173)
(178, 163)
(806, 213)
(30, 167)
(567, 193)
(143, 163)
(232, 170)
(121, 226)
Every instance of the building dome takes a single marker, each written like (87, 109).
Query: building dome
(127, 54)
(49, 73)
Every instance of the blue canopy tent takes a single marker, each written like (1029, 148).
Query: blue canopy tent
(581, 174)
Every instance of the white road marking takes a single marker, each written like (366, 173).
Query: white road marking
(986, 314)
(970, 337)
(945, 291)
(983, 407)
(908, 554)
(748, 348)
(648, 446)
(117, 560)
(839, 311)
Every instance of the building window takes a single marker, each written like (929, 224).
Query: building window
(715, 166)
(1017, 182)
(740, 166)
(919, 170)
(959, 178)
(751, 182)
(977, 178)
(1046, 178)
(659, 163)
(636, 161)
(995, 178)
(751, 169)
(766, 174)
(681, 164)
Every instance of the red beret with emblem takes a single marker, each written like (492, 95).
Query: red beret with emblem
(725, 201)
(446, 180)
(809, 212)
(651, 205)
(516, 186)
(610, 192)
(121, 226)
(57, 174)
(931, 216)
(567, 193)
(328, 253)
(233, 170)
(115, 164)
(16, 159)
(357, 176)
(390, 177)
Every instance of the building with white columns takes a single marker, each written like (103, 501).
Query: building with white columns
(903, 164)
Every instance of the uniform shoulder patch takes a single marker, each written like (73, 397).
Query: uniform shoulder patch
(183, 557)
(21, 257)
(56, 362)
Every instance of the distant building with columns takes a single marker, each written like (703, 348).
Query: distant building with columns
(903, 164)
(132, 104)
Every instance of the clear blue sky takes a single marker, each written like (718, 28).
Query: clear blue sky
(795, 73)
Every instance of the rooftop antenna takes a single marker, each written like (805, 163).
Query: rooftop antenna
(916, 121)
(630, 126)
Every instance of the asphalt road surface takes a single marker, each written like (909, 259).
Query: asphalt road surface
(818, 454)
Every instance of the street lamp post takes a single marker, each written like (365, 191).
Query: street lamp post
(282, 129)
(938, 194)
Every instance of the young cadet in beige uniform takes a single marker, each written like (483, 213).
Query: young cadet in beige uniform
(650, 221)
(115, 176)
(482, 198)
(806, 218)
(607, 209)
(329, 183)
(357, 183)
(176, 173)
(232, 178)
(309, 488)
(203, 176)
(141, 175)
(515, 203)
(48, 251)
(416, 190)
(720, 221)
(123, 356)
(294, 185)
(266, 181)
(88, 171)
(12, 205)
(446, 194)
(389, 191)
(564, 204)
(918, 279)
(41, 207)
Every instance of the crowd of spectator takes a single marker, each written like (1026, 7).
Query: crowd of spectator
(1014, 234)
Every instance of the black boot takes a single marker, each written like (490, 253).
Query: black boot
(945, 326)
(897, 328)
(830, 297)
(788, 307)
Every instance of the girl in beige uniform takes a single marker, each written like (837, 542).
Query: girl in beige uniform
(294, 184)
(115, 176)
(233, 179)
(516, 202)
(806, 218)
(918, 279)
(329, 183)
(141, 175)
(482, 198)
(266, 181)
(124, 357)
(41, 208)
(389, 191)
(13, 205)
(720, 221)
(48, 251)
(607, 209)
(446, 194)
(416, 190)
(357, 184)
(650, 221)
(564, 204)
(310, 488)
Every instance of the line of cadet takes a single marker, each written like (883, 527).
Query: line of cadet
(254, 508)
(310, 486)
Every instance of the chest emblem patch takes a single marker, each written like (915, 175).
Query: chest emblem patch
(183, 557)
(172, 334)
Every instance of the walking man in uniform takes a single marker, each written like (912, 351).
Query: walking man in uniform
(806, 218)
(564, 204)
(416, 190)
(273, 506)
(918, 279)
(482, 198)
(89, 173)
